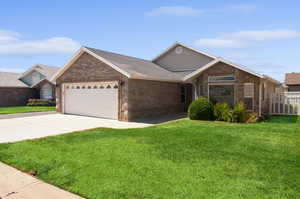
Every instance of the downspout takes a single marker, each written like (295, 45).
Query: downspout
(260, 98)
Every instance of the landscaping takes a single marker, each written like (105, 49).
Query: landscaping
(25, 109)
(204, 109)
(181, 159)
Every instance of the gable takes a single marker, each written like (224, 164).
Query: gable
(224, 69)
(87, 68)
(32, 78)
(180, 58)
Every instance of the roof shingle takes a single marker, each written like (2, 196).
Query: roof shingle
(292, 79)
(11, 80)
(137, 67)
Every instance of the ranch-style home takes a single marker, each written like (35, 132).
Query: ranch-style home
(16, 88)
(109, 85)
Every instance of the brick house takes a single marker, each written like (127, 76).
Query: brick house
(292, 82)
(104, 84)
(16, 88)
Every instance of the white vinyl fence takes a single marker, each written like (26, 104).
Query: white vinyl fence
(287, 103)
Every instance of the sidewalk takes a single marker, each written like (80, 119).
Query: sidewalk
(18, 115)
(17, 185)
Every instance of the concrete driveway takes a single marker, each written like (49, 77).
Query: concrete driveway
(17, 129)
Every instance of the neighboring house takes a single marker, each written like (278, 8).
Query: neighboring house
(16, 89)
(104, 84)
(292, 82)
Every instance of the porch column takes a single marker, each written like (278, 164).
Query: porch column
(195, 91)
(195, 86)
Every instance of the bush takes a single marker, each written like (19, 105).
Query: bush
(201, 109)
(253, 118)
(223, 112)
(239, 114)
(40, 102)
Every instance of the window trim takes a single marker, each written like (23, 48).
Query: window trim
(221, 80)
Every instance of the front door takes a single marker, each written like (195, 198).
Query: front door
(222, 94)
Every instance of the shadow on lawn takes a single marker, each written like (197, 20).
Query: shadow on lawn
(284, 119)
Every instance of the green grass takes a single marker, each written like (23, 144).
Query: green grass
(25, 109)
(182, 159)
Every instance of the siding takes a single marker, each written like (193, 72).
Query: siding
(188, 59)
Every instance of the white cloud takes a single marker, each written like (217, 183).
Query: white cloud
(174, 11)
(241, 8)
(264, 35)
(11, 44)
(243, 39)
(8, 36)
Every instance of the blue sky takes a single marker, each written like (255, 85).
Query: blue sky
(262, 35)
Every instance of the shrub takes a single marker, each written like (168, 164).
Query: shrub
(253, 118)
(201, 109)
(223, 112)
(40, 102)
(239, 114)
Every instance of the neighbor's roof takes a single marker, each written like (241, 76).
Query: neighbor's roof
(292, 79)
(47, 71)
(11, 80)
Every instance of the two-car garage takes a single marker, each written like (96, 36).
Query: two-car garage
(96, 99)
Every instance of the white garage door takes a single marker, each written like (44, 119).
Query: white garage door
(97, 99)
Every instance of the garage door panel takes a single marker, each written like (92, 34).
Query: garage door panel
(92, 99)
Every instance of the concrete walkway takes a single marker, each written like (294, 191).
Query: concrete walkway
(17, 185)
(19, 115)
(17, 129)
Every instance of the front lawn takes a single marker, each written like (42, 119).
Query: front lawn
(183, 159)
(25, 109)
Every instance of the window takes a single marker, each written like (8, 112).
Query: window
(248, 95)
(183, 94)
(221, 79)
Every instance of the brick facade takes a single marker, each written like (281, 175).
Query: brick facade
(222, 69)
(16, 96)
(154, 98)
(294, 88)
(144, 98)
(137, 98)
(89, 69)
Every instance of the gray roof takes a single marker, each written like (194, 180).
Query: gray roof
(11, 80)
(8, 79)
(137, 67)
(47, 71)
